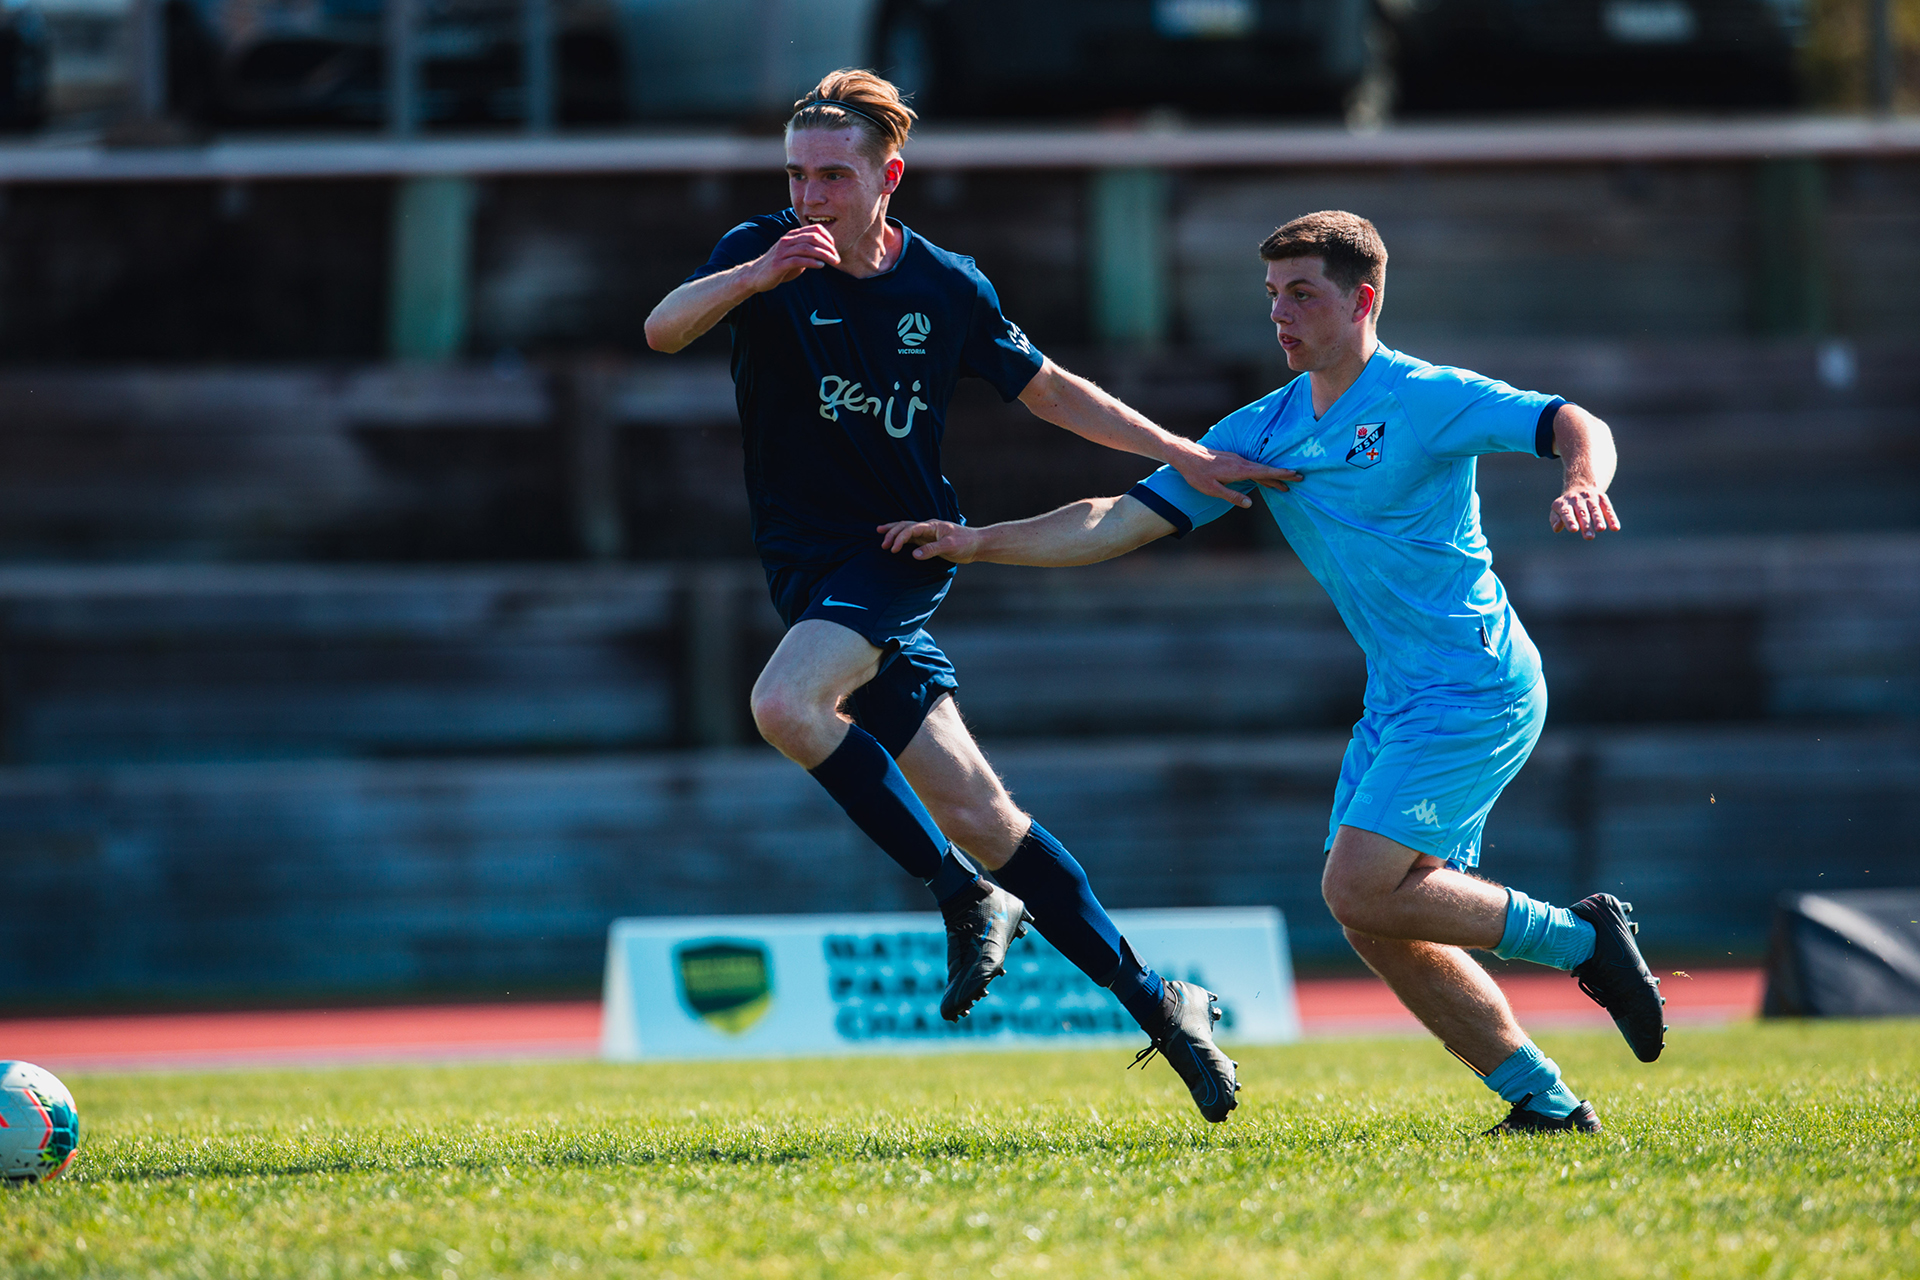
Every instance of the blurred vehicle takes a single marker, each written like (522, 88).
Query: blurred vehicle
(317, 63)
(25, 57)
(1475, 55)
(984, 58)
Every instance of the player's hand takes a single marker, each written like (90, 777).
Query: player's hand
(1211, 472)
(1584, 510)
(929, 538)
(800, 250)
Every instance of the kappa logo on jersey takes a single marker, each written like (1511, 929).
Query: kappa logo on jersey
(1018, 339)
(913, 329)
(838, 393)
(1313, 449)
(1366, 444)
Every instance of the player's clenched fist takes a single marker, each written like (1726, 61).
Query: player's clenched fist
(930, 538)
(800, 250)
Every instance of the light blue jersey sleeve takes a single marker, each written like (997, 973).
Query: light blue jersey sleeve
(1185, 507)
(1456, 413)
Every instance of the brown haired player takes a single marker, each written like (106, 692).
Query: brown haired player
(1387, 519)
(849, 334)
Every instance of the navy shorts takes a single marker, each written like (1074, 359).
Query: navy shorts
(887, 600)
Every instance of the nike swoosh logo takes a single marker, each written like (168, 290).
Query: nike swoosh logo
(831, 603)
(815, 317)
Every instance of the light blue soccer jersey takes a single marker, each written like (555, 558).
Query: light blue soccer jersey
(1388, 520)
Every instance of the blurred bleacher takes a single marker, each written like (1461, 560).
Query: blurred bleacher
(379, 677)
(224, 775)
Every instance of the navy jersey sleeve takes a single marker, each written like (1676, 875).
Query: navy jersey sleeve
(995, 348)
(742, 244)
(1460, 414)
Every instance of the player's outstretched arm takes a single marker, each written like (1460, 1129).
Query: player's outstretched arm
(1083, 532)
(1585, 446)
(698, 305)
(1070, 401)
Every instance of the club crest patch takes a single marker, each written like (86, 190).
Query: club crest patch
(1367, 445)
(725, 983)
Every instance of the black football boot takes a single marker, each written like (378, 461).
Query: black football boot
(980, 928)
(1520, 1120)
(1185, 1039)
(1616, 976)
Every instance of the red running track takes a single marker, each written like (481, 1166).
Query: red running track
(446, 1033)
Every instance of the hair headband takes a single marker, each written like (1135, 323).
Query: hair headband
(883, 126)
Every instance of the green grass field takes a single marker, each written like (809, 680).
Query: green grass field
(1767, 1150)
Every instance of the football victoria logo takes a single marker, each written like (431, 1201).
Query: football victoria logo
(913, 329)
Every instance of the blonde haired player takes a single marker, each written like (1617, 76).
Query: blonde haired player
(849, 335)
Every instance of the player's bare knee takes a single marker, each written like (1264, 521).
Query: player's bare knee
(784, 720)
(1352, 906)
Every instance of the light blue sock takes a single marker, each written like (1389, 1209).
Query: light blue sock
(1544, 934)
(1530, 1072)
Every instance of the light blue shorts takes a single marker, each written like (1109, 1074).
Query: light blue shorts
(1428, 776)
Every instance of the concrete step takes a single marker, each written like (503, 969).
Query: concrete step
(258, 662)
(502, 875)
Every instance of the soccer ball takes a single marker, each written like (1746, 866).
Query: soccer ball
(39, 1125)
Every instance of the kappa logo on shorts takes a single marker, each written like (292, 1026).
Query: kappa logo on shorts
(914, 327)
(1367, 439)
(1425, 814)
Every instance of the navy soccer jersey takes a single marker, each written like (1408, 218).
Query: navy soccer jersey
(843, 384)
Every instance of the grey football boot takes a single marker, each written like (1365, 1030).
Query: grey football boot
(979, 931)
(1616, 976)
(1185, 1039)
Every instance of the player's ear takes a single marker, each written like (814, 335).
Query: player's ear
(1363, 300)
(891, 175)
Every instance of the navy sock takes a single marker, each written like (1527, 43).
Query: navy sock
(956, 878)
(1044, 875)
(1047, 878)
(1139, 990)
(870, 787)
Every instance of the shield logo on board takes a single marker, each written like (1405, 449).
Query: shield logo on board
(725, 983)
(1366, 444)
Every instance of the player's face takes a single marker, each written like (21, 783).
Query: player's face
(833, 183)
(1317, 324)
